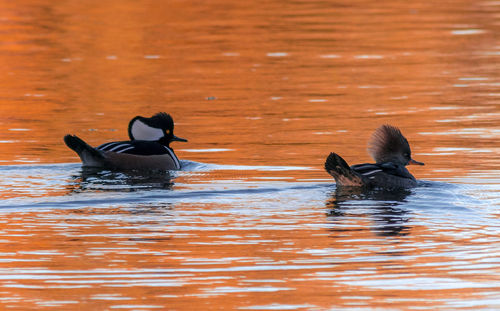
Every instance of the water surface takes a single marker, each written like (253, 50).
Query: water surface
(263, 91)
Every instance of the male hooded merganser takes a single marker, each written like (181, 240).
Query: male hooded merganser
(148, 147)
(391, 152)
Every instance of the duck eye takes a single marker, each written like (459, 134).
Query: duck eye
(167, 132)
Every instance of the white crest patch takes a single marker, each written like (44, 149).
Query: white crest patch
(141, 131)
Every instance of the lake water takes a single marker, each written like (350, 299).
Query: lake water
(263, 91)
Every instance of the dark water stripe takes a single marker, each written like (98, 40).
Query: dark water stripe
(171, 195)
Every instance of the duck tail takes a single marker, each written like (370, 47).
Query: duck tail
(89, 156)
(340, 170)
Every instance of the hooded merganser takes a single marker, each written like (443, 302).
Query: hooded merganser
(148, 147)
(391, 152)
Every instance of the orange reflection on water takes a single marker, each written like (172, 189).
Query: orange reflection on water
(288, 80)
(271, 83)
(173, 262)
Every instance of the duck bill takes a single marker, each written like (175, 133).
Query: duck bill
(413, 162)
(175, 138)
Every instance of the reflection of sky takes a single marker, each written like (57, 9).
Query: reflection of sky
(209, 236)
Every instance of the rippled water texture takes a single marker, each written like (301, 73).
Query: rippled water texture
(263, 90)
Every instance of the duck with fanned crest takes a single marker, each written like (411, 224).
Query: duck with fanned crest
(147, 149)
(391, 152)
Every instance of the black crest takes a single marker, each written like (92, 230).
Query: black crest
(387, 142)
(161, 120)
(157, 126)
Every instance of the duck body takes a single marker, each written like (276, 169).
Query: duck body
(370, 175)
(392, 154)
(136, 154)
